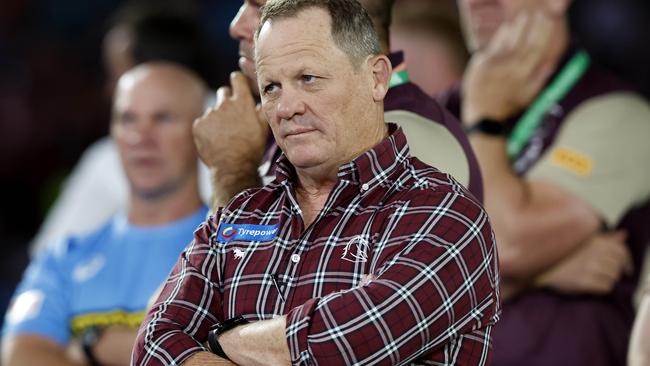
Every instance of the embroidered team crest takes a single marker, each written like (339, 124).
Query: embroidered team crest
(356, 250)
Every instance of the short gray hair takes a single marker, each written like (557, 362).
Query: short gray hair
(352, 28)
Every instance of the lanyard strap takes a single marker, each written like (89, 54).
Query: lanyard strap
(399, 76)
(556, 90)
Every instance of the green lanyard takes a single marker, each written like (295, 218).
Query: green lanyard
(398, 77)
(556, 90)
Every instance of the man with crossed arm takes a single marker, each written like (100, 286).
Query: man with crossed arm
(356, 252)
(561, 143)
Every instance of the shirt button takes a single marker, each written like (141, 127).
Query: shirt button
(295, 258)
(365, 187)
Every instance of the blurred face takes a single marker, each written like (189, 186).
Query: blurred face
(242, 28)
(481, 18)
(152, 120)
(323, 111)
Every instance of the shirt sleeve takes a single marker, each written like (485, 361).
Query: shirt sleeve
(601, 154)
(189, 304)
(40, 304)
(448, 155)
(436, 285)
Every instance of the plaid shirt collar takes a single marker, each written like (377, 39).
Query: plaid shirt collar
(374, 167)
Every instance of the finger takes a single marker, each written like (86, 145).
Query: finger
(240, 88)
(223, 94)
(534, 46)
(521, 30)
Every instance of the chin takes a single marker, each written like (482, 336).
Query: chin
(305, 161)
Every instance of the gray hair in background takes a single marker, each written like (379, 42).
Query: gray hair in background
(352, 29)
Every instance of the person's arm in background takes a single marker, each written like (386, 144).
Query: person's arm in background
(37, 324)
(593, 268)
(113, 349)
(29, 350)
(536, 222)
(639, 351)
(231, 139)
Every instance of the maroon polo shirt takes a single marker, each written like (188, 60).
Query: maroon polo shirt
(544, 327)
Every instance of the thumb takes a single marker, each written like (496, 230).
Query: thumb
(240, 87)
(619, 235)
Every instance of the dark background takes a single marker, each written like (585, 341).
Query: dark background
(53, 103)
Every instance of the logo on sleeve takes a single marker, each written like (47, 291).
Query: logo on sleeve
(573, 161)
(246, 232)
(26, 306)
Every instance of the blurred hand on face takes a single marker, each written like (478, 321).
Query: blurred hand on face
(503, 78)
(233, 133)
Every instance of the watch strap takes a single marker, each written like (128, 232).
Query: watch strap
(218, 329)
(89, 339)
(489, 127)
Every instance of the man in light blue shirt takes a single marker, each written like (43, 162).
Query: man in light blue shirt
(82, 300)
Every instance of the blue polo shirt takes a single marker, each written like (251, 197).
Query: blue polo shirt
(102, 279)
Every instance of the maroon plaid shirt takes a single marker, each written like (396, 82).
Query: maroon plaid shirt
(426, 242)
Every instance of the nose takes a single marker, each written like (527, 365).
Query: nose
(139, 134)
(242, 27)
(290, 104)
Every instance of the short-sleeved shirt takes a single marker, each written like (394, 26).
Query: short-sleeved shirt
(593, 144)
(435, 136)
(425, 240)
(102, 279)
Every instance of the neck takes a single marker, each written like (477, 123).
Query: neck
(312, 194)
(316, 183)
(147, 211)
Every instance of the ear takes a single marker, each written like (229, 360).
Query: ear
(381, 71)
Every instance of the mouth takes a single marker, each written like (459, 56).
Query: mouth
(144, 161)
(299, 132)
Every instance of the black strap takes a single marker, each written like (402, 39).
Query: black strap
(220, 328)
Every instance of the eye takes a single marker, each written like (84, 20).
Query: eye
(270, 88)
(164, 118)
(309, 78)
(126, 118)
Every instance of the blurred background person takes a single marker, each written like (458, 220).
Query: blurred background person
(429, 34)
(558, 138)
(53, 104)
(83, 299)
(140, 32)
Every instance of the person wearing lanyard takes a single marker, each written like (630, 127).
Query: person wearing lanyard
(561, 143)
(357, 253)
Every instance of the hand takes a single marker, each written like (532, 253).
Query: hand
(113, 348)
(594, 268)
(502, 79)
(234, 132)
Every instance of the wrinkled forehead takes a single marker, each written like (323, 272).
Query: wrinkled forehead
(308, 23)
